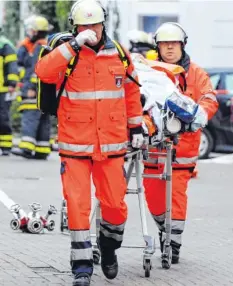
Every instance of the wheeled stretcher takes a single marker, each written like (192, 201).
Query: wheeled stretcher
(134, 168)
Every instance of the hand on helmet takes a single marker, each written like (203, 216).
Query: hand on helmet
(87, 36)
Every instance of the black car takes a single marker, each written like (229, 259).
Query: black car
(218, 135)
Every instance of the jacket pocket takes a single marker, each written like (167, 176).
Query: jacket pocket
(79, 118)
(117, 115)
(116, 70)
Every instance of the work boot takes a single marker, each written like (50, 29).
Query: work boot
(5, 152)
(82, 279)
(23, 153)
(38, 156)
(109, 263)
(175, 252)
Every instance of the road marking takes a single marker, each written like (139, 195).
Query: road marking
(8, 203)
(225, 159)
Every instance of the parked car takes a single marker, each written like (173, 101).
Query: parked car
(218, 135)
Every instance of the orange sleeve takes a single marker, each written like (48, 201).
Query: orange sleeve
(52, 66)
(207, 98)
(132, 97)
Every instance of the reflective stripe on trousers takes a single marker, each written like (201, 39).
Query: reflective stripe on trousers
(111, 236)
(178, 160)
(81, 256)
(177, 227)
(6, 141)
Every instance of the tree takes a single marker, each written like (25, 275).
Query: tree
(46, 9)
(11, 20)
(55, 11)
(62, 13)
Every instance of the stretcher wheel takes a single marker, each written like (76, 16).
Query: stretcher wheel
(166, 264)
(147, 267)
(167, 258)
(96, 256)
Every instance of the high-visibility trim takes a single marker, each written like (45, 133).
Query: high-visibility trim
(33, 80)
(10, 58)
(65, 52)
(135, 120)
(52, 141)
(70, 67)
(81, 248)
(44, 150)
(43, 143)
(179, 160)
(210, 96)
(81, 254)
(178, 224)
(4, 89)
(13, 77)
(6, 144)
(22, 72)
(159, 218)
(75, 147)
(28, 139)
(128, 80)
(80, 235)
(94, 95)
(113, 147)
(27, 145)
(6, 137)
(27, 107)
(30, 101)
(177, 229)
(112, 231)
(121, 54)
(119, 227)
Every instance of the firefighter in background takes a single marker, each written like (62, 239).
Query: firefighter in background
(98, 104)
(35, 126)
(142, 43)
(171, 39)
(8, 81)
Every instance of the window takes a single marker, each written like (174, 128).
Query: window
(215, 80)
(150, 24)
(229, 81)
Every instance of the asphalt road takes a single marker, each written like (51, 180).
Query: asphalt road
(207, 252)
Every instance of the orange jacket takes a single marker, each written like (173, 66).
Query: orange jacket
(98, 104)
(200, 89)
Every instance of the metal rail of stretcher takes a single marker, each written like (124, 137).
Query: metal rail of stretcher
(135, 158)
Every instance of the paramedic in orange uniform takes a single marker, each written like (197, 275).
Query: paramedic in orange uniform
(97, 106)
(171, 39)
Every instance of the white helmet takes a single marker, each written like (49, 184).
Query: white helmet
(86, 12)
(137, 36)
(169, 32)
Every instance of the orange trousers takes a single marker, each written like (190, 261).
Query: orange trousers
(155, 192)
(110, 184)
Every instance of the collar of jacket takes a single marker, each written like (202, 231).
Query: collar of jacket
(184, 61)
(108, 44)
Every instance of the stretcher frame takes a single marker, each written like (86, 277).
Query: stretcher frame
(135, 159)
